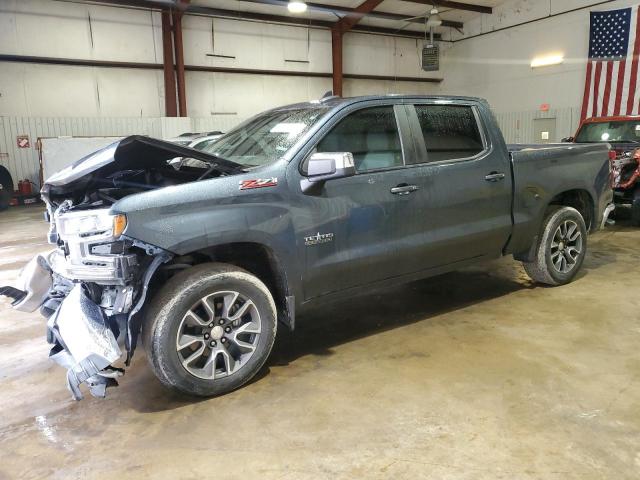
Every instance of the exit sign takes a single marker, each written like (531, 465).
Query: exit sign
(545, 107)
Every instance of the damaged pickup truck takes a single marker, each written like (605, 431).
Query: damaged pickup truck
(203, 254)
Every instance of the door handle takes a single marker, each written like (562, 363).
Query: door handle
(404, 189)
(494, 176)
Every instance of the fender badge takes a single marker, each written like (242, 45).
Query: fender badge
(258, 183)
(318, 238)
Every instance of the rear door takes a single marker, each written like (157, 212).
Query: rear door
(463, 184)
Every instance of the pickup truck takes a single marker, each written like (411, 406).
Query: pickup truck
(623, 133)
(298, 206)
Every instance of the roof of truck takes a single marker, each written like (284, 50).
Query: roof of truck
(618, 118)
(333, 101)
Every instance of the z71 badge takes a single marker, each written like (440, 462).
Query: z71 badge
(258, 183)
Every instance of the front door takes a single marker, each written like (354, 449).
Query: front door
(349, 231)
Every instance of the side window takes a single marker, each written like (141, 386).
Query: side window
(371, 135)
(450, 131)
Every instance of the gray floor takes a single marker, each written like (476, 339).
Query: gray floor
(474, 375)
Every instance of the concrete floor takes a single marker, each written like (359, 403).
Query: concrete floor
(473, 375)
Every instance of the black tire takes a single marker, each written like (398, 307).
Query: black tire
(635, 208)
(5, 199)
(167, 310)
(6, 188)
(542, 269)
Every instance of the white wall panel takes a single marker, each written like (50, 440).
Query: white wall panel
(42, 28)
(130, 92)
(42, 90)
(61, 89)
(244, 95)
(496, 65)
(123, 34)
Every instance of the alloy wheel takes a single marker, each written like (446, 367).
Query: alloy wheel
(218, 335)
(566, 246)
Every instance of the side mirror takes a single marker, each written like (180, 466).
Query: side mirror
(567, 140)
(327, 166)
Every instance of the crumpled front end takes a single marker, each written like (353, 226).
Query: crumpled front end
(84, 342)
(91, 288)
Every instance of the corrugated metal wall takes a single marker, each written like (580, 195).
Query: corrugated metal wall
(23, 162)
(517, 127)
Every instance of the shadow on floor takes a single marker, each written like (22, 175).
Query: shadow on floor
(318, 331)
(323, 328)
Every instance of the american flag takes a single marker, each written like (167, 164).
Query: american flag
(612, 70)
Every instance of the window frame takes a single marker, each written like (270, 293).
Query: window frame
(421, 144)
(407, 145)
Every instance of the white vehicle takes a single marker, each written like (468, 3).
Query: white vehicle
(197, 140)
(203, 142)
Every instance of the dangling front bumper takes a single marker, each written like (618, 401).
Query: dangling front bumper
(83, 343)
(89, 326)
(83, 338)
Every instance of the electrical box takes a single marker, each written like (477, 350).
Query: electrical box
(430, 58)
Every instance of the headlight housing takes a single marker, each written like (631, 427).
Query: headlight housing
(91, 222)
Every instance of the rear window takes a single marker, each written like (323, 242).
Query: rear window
(450, 131)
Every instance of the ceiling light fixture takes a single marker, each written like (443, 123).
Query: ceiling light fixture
(296, 6)
(434, 20)
(547, 60)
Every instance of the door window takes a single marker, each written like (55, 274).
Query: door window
(371, 135)
(450, 131)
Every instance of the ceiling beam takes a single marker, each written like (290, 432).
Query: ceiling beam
(263, 17)
(339, 10)
(454, 5)
(349, 20)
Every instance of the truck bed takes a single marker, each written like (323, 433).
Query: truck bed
(540, 169)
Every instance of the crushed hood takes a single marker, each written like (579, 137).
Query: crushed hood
(133, 152)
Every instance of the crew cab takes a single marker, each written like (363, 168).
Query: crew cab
(299, 206)
(623, 133)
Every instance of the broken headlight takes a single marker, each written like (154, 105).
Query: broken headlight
(91, 222)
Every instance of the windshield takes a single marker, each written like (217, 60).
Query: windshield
(203, 144)
(266, 137)
(621, 131)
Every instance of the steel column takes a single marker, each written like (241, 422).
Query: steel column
(169, 77)
(177, 39)
(336, 58)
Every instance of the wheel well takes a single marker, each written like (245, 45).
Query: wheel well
(580, 200)
(252, 257)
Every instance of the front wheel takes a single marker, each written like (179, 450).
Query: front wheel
(210, 329)
(561, 248)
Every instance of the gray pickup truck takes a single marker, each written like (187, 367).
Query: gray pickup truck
(203, 254)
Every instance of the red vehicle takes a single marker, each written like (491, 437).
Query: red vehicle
(623, 133)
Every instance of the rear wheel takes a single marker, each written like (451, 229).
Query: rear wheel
(210, 329)
(561, 248)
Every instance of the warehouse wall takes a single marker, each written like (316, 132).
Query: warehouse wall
(24, 162)
(60, 29)
(496, 65)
